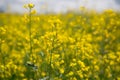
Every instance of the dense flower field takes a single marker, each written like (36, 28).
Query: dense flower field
(72, 46)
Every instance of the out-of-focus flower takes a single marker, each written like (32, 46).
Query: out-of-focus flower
(30, 5)
(33, 12)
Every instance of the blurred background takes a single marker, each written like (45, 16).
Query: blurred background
(58, 6)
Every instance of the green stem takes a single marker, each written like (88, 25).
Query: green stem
(30, 40)
(51, 52)
(30, 32)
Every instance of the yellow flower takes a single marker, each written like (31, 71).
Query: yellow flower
(73, 78)
(30, 5)
(96, 67)
(57, 64)
(82, 8)
(81, 63)
(72, 64)
(80, 73)
(62, 61)
(43, 73)
(33, 12)
(22, 75)
(25, 6)
(118, 78)
(61, 70)
(25, 79)
(55, 22)
(74, 60)
(70, 73)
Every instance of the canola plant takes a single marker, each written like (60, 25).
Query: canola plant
(71, 46)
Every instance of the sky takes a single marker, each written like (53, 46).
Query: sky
(43, 6)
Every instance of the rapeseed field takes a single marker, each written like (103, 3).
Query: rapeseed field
(71, 46)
